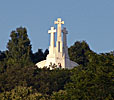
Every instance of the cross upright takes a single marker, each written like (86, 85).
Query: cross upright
(52, 39)
(64, 36)
(59, 22)
(64, 31)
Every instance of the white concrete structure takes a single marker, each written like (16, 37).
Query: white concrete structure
(58, 55)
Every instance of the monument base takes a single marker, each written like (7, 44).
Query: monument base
(53, 62)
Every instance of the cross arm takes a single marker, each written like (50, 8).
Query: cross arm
(52, 30)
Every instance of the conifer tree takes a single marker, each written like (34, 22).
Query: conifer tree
(19, 47)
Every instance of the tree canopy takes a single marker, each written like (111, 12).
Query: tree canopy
(80, 52)
(20, 79)
(19, 47)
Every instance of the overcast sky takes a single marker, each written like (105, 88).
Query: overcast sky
(90, 20)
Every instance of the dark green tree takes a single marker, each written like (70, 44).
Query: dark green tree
(19, 47)
(47, 81)
(2, 61)
(80, 52)
(21, 93)
(38, 56)
(60, 95)
(93, 83)
(2, 55)
(46, 52)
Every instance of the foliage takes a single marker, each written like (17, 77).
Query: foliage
(19, 47)
(60, 95)
(92, 83)
(2, 56)
(46, 53)
(21, 80)
(21, 93)
(2, 62)
(39, 56)
(80, 52)
(46, 81)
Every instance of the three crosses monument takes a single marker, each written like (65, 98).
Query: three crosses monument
(58, 55)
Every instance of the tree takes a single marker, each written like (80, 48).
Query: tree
(38, 56)
(21, 93)
(47, 81)
(93, 83)
(19, 47)
(2, 61)
(2, 56)
(46, 53)
(80, 52)
(60, 95)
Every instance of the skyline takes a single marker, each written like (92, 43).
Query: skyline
(92, 21)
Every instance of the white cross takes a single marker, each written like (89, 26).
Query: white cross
(52, 41)
(59, 21)
(52, 30)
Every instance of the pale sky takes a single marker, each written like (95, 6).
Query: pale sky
(89, 20)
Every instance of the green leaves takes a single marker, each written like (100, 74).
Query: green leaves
(80, 52)
(19, 47)
(93, 83)
(21, 93)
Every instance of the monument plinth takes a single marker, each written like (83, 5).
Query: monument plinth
(58, 55)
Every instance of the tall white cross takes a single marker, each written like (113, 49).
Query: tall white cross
(59, 22)
(52, 39)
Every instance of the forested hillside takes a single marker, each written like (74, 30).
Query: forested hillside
(20, 79)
